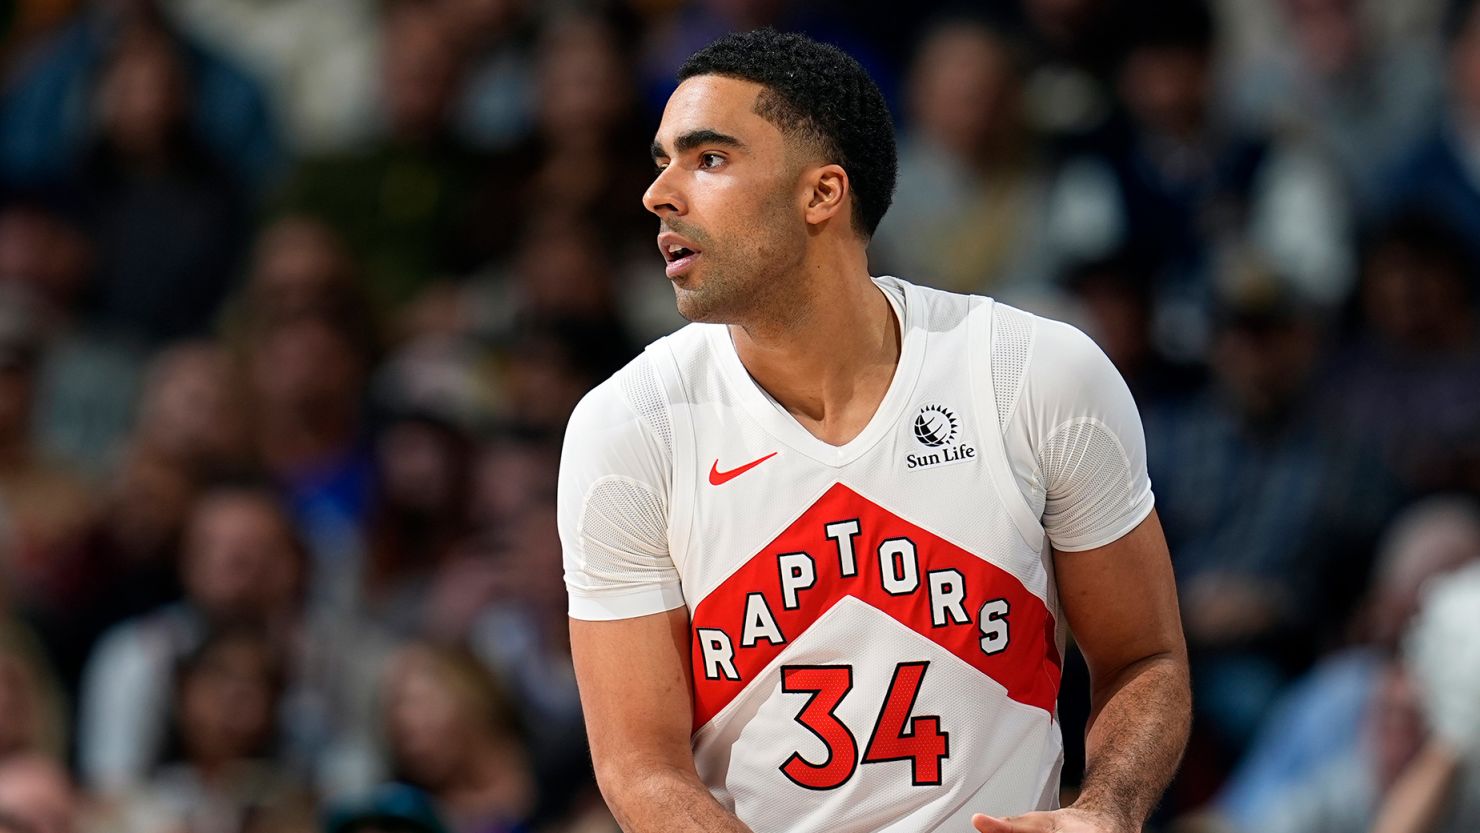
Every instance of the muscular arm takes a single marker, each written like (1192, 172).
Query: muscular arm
(634, 681)
(1121, 604)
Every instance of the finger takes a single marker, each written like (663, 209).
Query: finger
(988, 824)
(1030, 823)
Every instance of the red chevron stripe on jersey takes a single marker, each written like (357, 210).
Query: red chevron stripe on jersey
(847, 545)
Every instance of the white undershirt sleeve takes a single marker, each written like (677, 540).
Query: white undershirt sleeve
(1075, 441)
(613, 501)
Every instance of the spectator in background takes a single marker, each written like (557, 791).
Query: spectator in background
(587, 155)
(44, 250)
(970, 209)
(1330, 74)
(300, 267)
(1439, 789)
(45, 506)
(461, 344)
(1187, 192)
(1111, 300)
(1408, 386)
(167, 215)
(1441, 174)
(420, 515)
(242, 566)
(30, 698)
(1270, 518)
(520, 632)
(190, 429)
(132, 549)
(1315, 733)
(38, 796)
(1411, 774)
(1074, 43)
(551, 365)
(306, 379)
(402, 202)
(501, 592)
(497, 104)
(43, 130)
(86, 380)
(454, 733)
(225, 776)
(191, 412)
(1345, 797)
(563, 270)
(316, 61)
(513, 474)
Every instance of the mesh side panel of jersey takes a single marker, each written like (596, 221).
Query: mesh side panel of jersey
(639, 383)
(1012, 335)
(1089, 459)
(624, 533)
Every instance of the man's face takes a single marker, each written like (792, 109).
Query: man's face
(240, 562)
(729, 197)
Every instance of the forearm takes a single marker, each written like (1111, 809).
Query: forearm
(1137, 735)
(1421, 794)
(664, 799)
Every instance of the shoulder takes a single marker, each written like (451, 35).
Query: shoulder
(630, 406)
(1071, 431)
(1063, 351)
(621, 428)
(1061, 372)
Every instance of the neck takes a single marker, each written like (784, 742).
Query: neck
(830, 359)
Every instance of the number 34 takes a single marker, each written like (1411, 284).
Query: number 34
(896, 735)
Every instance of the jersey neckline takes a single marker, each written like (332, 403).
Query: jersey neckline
(780, 424)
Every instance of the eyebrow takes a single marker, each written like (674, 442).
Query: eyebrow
(695, 138)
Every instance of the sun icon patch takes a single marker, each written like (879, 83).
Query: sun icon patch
(935, 426)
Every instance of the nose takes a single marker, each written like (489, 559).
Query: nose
(662, 197)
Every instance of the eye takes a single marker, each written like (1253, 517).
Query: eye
(710, 160)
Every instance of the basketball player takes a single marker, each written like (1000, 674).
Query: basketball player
(822, 545)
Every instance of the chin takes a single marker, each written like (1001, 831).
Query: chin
(691, 306)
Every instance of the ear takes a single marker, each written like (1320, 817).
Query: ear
(827, 192)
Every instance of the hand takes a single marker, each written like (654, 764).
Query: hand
(1068, 820)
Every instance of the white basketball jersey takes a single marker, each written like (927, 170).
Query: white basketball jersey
(876, 640)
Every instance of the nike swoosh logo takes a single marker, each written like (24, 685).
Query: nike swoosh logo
(717, 477)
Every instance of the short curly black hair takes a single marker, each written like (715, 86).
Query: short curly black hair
(820, 94)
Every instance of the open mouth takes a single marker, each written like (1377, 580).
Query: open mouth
(679, 255)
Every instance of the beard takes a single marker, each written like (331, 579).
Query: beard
(751, 278)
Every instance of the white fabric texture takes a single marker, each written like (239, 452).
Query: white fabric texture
(1445, 657)
(1073, 435)
(613, 500)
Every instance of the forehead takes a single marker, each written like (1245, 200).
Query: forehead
(713, 102)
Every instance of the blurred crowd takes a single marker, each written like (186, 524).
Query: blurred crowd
(297, 295)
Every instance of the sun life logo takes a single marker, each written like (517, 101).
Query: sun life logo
(935, 426)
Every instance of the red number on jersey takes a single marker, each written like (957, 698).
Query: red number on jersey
(896, 735)
(827, 684)
(899, 737)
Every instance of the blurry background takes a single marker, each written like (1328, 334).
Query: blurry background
(296, 296)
